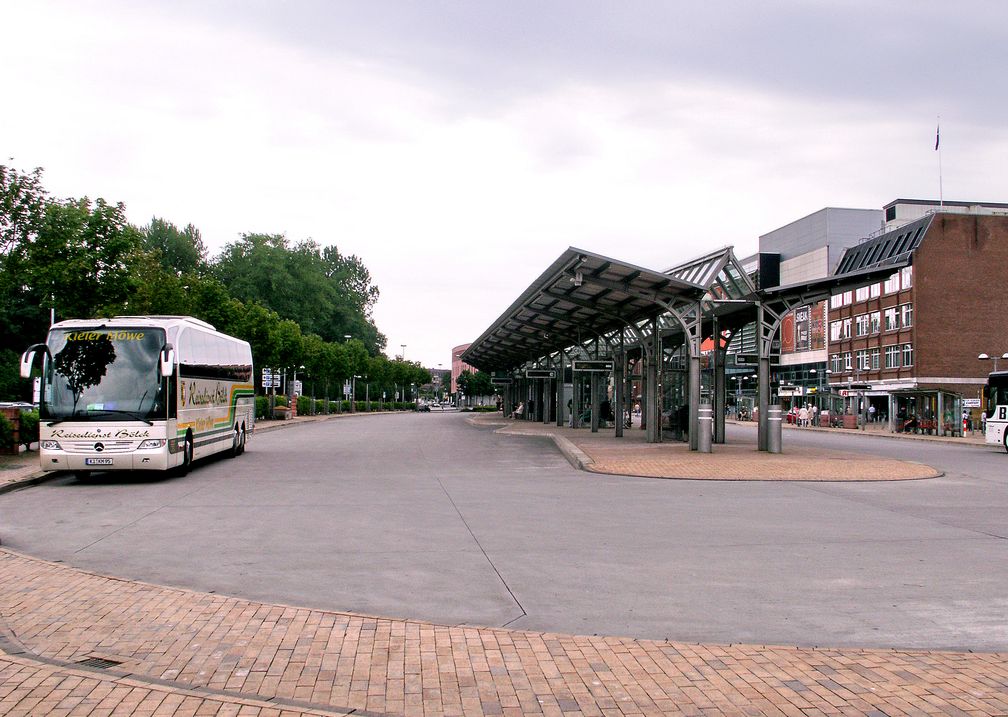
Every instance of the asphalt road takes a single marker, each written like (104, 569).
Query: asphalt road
(426, 516)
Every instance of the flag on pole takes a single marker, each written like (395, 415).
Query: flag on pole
(937, 136)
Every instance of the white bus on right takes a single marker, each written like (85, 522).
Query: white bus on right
(996, 409)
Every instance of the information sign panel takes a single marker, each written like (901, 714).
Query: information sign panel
(539, 373)
(500, 381)
(605, 366)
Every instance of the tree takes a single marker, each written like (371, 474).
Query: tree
(22, 318)
(83, 256)
(328, 294)
(475, 384)
(180, 251)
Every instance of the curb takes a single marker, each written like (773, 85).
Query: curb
(28, 481)
(950, 440)
(574, 455)
(41, 476)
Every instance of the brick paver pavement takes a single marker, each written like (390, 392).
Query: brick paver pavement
(631, 455)
(210, 654)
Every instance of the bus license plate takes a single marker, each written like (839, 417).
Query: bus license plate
(97, 461)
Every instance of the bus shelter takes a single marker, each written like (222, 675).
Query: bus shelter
(587, 308)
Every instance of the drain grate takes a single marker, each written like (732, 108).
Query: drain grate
(100, 662)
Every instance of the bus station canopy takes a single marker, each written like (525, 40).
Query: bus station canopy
(580, 296)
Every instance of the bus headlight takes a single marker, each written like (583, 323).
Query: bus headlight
(51, 446)
(152, 443)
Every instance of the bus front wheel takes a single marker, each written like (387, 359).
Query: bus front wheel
(187, 456)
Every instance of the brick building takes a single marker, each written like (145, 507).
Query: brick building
(915, 337)
(458, 366)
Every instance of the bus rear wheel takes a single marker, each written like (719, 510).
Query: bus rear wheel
(238, 442)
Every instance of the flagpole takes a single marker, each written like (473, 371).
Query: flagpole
(941, 196)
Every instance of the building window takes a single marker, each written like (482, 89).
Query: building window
(861, 294)
(908, 354)
(835, 363)
(891, 319)
(906, 277)
(847, 361)
(848, 298)
(835, 328)
(874, 319)
(892, 284)
(906, 319)
(876, 290)
(836, 301)
(873, 359)
(861, 328)
(892, 356)
(845, 332)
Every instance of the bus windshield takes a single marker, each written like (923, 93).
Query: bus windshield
(103, 374)
(997, 392)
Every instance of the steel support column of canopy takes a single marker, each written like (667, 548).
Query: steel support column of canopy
(652, 396)
(619, 370)
(559, 388)
(763, 377)
(720, 387)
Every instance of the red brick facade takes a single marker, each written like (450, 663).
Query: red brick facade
(957, 304)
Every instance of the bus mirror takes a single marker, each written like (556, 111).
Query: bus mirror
(28, 359)
(167, 361)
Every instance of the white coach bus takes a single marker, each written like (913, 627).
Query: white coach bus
(140, 393)
(996, 408)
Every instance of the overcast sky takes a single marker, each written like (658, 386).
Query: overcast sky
(459, 147)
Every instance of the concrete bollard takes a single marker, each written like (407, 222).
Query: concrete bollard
(706, 428)
(774, 429)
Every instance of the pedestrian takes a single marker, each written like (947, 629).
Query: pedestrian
(803, 417)
(871, 413)
(518, 412)
(983, 422)
(815, 415)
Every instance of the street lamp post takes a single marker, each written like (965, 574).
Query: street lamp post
(403, 351)
(985, 357)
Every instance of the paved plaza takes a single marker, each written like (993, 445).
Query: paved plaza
(77, 579)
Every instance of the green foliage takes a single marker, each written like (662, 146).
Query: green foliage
(6, 434)
(294, 304)
(475, 384)
(178, 251)
(326, 293)
(82, 257)
(12, 386)
(262, 407)
(28, 432)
